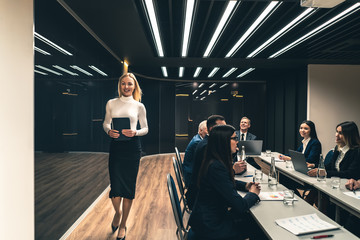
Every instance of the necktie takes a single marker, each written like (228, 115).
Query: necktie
(242, 137)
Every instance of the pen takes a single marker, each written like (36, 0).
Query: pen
(248, 176)
(322, 236)
(354, 191)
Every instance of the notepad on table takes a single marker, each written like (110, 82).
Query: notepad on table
(120, 124)
(305, 224)
(352, 194)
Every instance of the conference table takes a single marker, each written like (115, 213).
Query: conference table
(266, 212)
(336, 196)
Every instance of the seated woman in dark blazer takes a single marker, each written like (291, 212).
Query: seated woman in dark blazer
(211, 217)
(345, 162)
(311, 146)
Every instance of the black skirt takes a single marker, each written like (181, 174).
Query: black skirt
(124, 158)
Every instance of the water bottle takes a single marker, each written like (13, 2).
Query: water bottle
(272, 180)
(321, 172)
(243, 154)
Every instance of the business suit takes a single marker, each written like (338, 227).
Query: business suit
(312, 151)
(210, 218)
(349, 166)
(249, 136)
(188, 159)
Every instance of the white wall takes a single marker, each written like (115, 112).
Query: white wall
(333, 97)
(16, 120)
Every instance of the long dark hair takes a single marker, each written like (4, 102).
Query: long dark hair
(311, 124)
(218, 149)
(351, 133)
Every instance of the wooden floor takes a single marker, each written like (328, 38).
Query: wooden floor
(151, 216)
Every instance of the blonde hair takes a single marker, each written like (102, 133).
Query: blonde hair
(137, 91)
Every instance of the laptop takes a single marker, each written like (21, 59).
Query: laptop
(252, 147)
(299, 161)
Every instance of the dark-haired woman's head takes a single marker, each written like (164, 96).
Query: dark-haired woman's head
(347, 133)
(222, 143)
(307, 129)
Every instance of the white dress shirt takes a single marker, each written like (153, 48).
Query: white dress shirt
(342, 152)
(305, 143)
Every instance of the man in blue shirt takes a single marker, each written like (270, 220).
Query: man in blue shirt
(190, 151)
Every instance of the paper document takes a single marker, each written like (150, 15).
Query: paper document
(271, 196)
(351, 194)
(305, 224)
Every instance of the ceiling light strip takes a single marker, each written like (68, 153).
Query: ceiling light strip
(48, 69)
(42, 73)
(245, 72)
(224, 85)
(65, 70)
(203, 92)
(202, 98)
(197, 71)
(164, 71)
(231, 5)
(80, 70)
(305, 14)
(201, 84)
(41, 51)
(154, 26)
(354, 8)
(212, 73)
(187, 26)
(258, 22)
(229, 72)
(181, 71)
(50, 43)
(194, 91)
(97, 70)
(212, 85)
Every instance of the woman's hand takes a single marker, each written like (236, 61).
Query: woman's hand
(113, 133)
(310, 165)
(253, 187)
(239, 166)
(312, 172)
(285, 158)
(128, 132)
(352, 184)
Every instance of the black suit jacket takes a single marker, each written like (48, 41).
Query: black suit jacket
(349, 166)
(312, 151)
(249, 136)
(210, 217)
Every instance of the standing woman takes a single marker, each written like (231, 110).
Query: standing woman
(124, 156)
(311, 146)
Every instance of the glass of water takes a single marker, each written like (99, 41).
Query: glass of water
(288, 197)
(288, 164)
(258, 175)
(335, 182)
(268, 153)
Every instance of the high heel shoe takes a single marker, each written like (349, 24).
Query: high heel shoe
(123, 238)
(114, 228)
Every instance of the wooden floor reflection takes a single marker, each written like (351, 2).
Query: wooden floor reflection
(151, 216)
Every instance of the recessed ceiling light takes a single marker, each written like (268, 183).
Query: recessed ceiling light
(149, 7)
(202, 98)
(197, 71)
(224, 85)
(305, 14)
(354, 8)
(201, 84)
(181, 71)
(194, 91)
(231, 5)
(80, 70)
(97, 70)
(203, 92)
(229, 72)
(50, 43)
(164, 71)
(187, 26)
(48, 69)
(65, 70)
(258, 22)
(212, 85)
(42, 73)
(212, 73)
(41, 51)
(245, 72)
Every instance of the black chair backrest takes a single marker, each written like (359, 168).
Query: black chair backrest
(178, 177)
(178, 158)
(175, 203)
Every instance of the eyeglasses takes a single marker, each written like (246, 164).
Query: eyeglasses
(235, 138)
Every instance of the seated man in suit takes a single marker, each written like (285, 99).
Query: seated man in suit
(244, 135)
(190, 151)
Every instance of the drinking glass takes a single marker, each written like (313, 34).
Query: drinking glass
(288, 197)
(335, 182)
(288, 164)
(258, 175)
(268, 153)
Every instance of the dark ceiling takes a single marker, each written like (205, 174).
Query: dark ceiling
(118, 30)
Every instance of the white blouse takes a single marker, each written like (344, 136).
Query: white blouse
(126, 107)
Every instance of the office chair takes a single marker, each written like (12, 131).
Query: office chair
(180, 186)
(182, 232)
